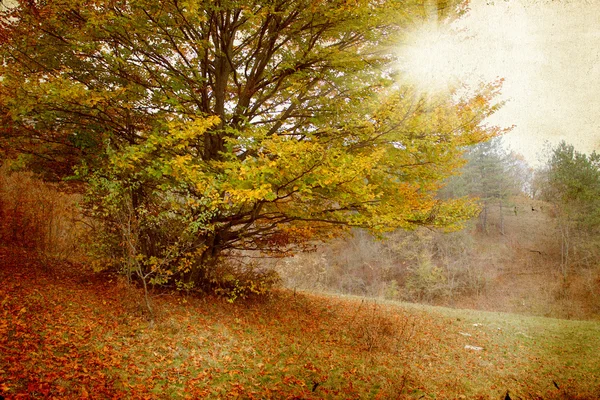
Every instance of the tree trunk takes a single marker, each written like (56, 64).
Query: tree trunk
(483, 218)
(501, 219)
(565, 248)
(198, 276)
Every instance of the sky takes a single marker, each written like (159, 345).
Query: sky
(547, 51)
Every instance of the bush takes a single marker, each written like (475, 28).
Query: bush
(240, 281)
(426, 281)
(392, 290)
(421, 265)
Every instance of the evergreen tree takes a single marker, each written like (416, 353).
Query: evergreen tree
(492, 175)
(572, 185)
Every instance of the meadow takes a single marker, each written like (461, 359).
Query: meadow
(68, 332)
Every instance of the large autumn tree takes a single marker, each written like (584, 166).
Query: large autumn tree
(203, 127)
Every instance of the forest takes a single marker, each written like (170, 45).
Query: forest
(206, 199)
(532, 249)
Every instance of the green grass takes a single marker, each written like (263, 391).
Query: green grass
(69, 334)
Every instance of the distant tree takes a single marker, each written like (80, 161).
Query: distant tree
(571, 182)
(492, 175)
(205, 127)
(521, 174)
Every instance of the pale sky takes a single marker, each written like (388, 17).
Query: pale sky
(548, 52)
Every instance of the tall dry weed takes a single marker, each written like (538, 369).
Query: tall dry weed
(39, 216)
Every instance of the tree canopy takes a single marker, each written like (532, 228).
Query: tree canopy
(202, 127)
(570, 181)
(574, 180)
(492, 175)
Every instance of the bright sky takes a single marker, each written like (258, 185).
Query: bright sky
(547, 51)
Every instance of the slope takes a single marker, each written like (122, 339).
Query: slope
(66, 332)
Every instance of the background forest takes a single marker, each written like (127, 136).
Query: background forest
(532, 249)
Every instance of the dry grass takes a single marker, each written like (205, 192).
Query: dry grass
(36, 215)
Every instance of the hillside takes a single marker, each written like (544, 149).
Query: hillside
(511, 266)
(523, 267)
(66, 332)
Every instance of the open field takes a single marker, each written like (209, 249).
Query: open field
(68, 333)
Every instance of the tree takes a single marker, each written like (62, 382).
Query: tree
(492, 175)
(205, 127)
(572, 185)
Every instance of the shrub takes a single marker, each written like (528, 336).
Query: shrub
(239, 281)
(426, 281)
(421, 265)
(392, 290)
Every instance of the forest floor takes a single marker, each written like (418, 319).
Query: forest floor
(66, 332)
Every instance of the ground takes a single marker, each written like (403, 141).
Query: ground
(67, 332)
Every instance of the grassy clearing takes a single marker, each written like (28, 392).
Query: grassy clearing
(68, 334)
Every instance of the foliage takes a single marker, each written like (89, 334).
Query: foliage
(242, 281)
(204, 128)
(571, 182)
(425, 281)
(492, 175)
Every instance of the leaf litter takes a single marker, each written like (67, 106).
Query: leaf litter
(66, 332)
